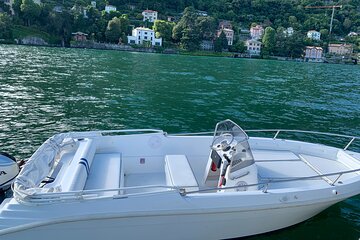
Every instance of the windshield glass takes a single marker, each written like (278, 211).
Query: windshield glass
(231, 138)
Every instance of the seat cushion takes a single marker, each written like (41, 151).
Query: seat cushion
(179, 173)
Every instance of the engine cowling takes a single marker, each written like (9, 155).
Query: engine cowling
(9, 169)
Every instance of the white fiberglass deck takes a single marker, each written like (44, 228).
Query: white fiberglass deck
(116, 169)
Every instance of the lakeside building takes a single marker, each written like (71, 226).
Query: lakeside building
(340, 49)
(313, 54)
(289, 32)
(170, 18)
(253, 47)
(80, 36)
(150, 15)
(314, 35)
(256, 32)
(229, 33)
(353, 34)
(225, 24)
(93, 3)
(140, 35)
(58, 9)
(202, 13)
(110, 8)
(207, 45)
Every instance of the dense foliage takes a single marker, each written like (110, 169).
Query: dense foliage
(61, 18)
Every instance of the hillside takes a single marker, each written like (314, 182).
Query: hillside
(78, 15)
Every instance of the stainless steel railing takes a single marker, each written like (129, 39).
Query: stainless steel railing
(278, 131)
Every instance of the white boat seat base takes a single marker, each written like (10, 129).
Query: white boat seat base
(178, 173)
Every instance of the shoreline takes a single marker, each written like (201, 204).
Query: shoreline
(128, 48)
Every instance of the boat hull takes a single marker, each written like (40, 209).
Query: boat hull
(215, 225)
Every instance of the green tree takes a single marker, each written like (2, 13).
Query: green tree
(185, 30)
(31, 11)
(61, 24)
(224, 41)
(295, 45)
(190, 40)
(116, 29)
(163, 29)
(238, 47)
(206, 26)
(5, 26)
(347, 23)
(324, 34)
(113, 30)
(268, 41)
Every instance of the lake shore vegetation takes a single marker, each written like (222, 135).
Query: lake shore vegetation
(184, 24)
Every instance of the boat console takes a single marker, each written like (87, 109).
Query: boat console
(231, 162)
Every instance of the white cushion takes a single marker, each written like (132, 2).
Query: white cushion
(105, 173)
(179, 173)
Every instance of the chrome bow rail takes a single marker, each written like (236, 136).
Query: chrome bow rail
(265, 184)
(278, 131)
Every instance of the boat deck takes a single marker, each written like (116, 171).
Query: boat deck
(278, 165)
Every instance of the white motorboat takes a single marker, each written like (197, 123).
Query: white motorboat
(153, 185)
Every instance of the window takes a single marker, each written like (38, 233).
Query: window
(145, 37)
(145, 33)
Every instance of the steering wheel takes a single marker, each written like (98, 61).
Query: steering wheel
(222, 142)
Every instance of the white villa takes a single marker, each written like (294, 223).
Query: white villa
(150, 15)
(256, 32)
(314, 35)
(229, 33)
(253, 47)
(141, 35)
(289, 32)
(110, 8)
(313, 54)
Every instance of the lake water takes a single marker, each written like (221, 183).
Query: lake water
(44, 91)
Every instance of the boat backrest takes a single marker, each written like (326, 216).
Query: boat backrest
(79, 168)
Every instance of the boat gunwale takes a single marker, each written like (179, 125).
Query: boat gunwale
(83, 195)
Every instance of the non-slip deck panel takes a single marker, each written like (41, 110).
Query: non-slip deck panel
(327, 166)
(271, 155)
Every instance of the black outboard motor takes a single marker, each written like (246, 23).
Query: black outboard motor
(9, 169)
